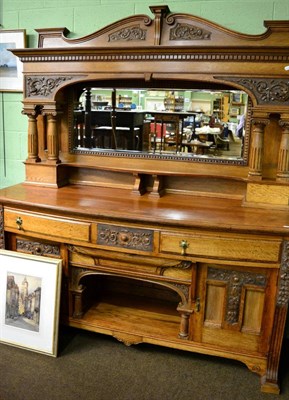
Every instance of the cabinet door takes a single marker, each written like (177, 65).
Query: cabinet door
(236, 307)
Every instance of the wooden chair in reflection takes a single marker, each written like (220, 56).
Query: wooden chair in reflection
(165, 132)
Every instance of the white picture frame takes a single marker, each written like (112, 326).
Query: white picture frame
(30, 301)
(11, 68)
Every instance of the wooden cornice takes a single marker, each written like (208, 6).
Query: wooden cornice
(168, 30)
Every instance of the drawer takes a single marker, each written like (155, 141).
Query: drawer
(45, 225)
(245, 248)
(125, 237)
(37, 247)
(140, 266)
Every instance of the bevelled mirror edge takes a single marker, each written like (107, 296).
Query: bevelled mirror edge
(163, 122)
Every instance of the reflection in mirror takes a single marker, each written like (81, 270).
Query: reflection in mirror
(184, 123)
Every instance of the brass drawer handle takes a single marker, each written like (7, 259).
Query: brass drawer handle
(184, 245)
(19, 223)
(123, 237)
(37, 250)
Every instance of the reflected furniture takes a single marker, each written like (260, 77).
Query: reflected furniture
(197, 146)
(173, 250)
(129, 128)
(176, 135)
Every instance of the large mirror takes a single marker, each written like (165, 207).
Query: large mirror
(182, 123)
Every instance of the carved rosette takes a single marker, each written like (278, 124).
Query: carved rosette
(43, 86)
(133, 33)
(2, 243)
(189, 32)
(235, 281)
(136, 239)
(283, 289)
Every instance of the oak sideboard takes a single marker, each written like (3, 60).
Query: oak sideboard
(162, 245)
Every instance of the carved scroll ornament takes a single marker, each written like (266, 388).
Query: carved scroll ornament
(42, 86)
(189, 32)
(266, 91)
(128, 34)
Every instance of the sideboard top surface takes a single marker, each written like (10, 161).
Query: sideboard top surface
(187, 211)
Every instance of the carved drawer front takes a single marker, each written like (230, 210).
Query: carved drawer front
(128, 238)
(46, 225)
(222, 246)
(37, 247)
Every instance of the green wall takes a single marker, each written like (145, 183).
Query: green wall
(86, 16)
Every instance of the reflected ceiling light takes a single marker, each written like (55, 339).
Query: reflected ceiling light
(286, 68)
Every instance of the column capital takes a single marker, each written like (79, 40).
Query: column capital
(284, 123)
(260, 121)
(51, 109)
(32, 109)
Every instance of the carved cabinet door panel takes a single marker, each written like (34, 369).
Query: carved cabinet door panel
(236, 307)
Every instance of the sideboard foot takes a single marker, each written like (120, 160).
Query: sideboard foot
(269, 386)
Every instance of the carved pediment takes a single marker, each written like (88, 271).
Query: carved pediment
(164, 28)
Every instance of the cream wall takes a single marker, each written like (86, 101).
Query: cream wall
(86, 16)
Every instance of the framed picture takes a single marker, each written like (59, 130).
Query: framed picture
(29, 301)
(11, 79)
(234, 111)
(236, 97)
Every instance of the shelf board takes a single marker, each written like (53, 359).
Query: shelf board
(135, 315)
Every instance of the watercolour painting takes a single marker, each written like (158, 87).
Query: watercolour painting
(11, 78)
(29, 301)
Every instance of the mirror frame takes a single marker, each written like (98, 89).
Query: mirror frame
(163, 47)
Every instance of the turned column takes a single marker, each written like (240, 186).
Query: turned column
(52, 139)
(32, 136)
(78, 308)
(185, 312)
(256, 150)
(283, 160)
(184, 327)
